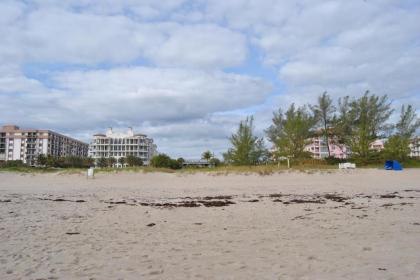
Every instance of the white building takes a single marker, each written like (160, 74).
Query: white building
(415, 147)
(120, 145)
(27, 144)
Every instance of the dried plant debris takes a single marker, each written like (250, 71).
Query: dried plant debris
(72, 233)
(390, 195)
(216, 203)
(275, 195)
(396, 204)
(298, 200)
(117, 202)
(218, 197)
(335, 197)
(338, 200)
(63, 200)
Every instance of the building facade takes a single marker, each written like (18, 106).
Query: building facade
(27, 144)
(317, 146)
(120, 145)
(414, 147)
(378, 145)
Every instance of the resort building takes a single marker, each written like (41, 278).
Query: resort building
(27, 144)
(318, 148)
(120, 145)
(414, 147)
(378, 145)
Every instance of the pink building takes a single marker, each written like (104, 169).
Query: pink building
(317, 146)
(378, 145)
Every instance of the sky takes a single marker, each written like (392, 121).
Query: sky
(186, 72)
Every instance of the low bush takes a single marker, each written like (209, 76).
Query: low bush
(334, 161)
(12, 163)
(164, 161)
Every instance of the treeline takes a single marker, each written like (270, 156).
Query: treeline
(164, 161)
(64, 162)
(51, 161)
(353, 122)
(123, 161)
(76, 162)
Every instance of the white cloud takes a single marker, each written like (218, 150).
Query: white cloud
(135, 95)
(201, 46)
(185, 96)
(58, 33)
(140, 93)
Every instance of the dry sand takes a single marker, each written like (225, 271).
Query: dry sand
(282, 226)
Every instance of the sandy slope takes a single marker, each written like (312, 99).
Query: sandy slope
(356, 234)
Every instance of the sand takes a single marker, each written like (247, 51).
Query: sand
(361, 224)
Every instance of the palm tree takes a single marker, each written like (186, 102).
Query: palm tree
(207, 155)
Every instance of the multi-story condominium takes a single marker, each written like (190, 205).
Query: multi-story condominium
(119, 145)
(317, 146)
(27, 144)
(378, 145)
(414, 147)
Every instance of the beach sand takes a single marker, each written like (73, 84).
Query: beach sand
(358, 224)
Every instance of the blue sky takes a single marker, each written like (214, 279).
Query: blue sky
(186, 72)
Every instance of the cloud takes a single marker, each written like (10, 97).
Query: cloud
(207, 46)
(56, 35)
(188, 71)
(134, 95)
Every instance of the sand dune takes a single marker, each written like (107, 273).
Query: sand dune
(361, 224)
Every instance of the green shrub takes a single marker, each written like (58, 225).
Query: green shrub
(334, 161)
(133, 161)
(12, 163)
(164, 161)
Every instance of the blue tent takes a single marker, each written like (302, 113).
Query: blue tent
(392, 165)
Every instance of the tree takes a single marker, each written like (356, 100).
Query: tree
(362, 121)
(88, 162)
(122, 161)
(408, 123)
(102, 162)
(397, 146)
(41, 160)
(290, 131)
(111, 161)
(324, 114)
(133, 161)
(161, 160)
(181, 161)
(51, 161)
(207, 155)
(164, 161)
(247, 148)
(215, 162)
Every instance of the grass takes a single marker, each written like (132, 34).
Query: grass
(259, 169)
(42, 170)
(262, 170)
